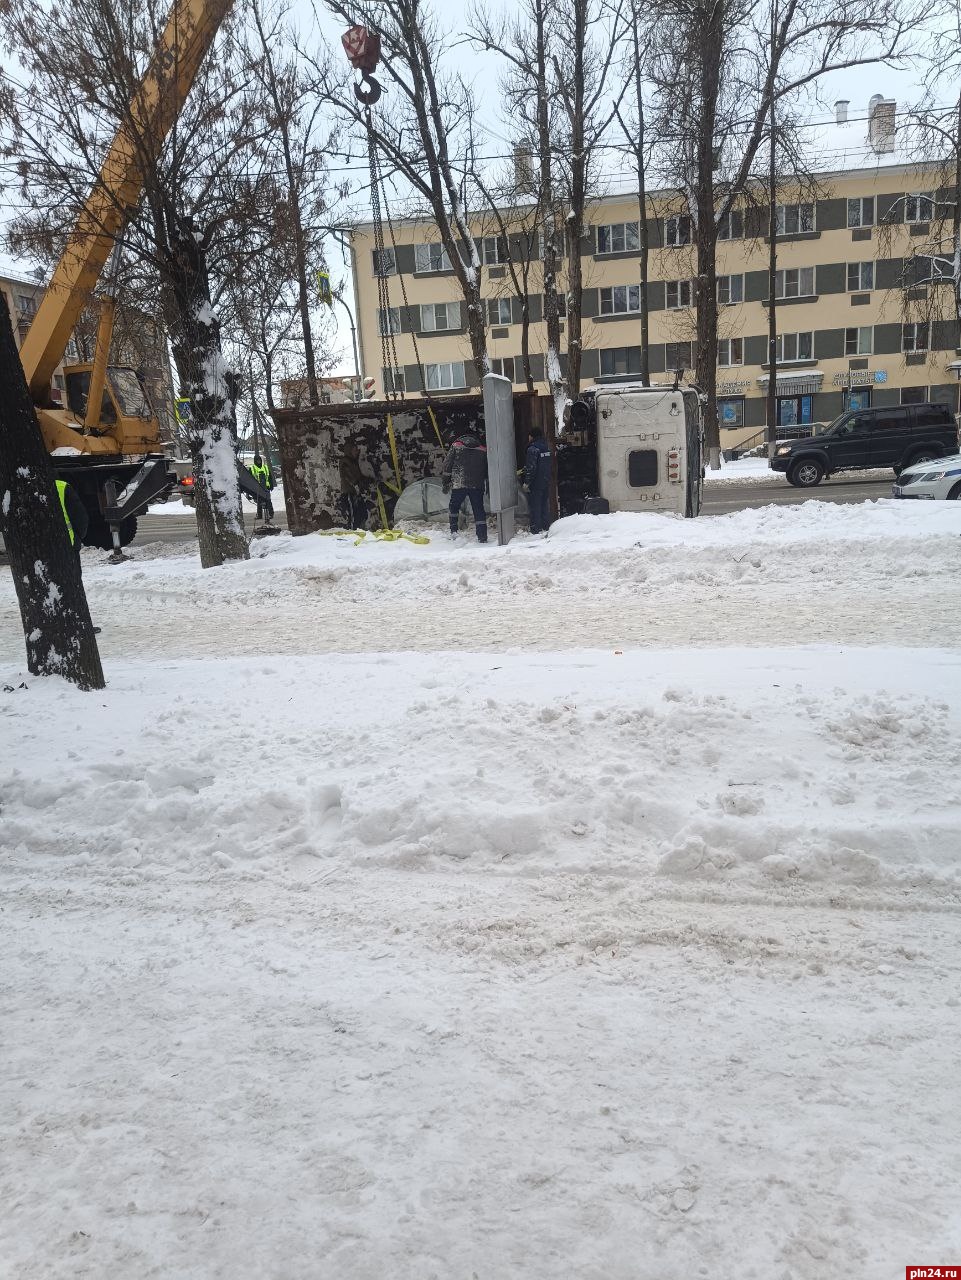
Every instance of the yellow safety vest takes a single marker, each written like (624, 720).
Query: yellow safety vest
(62, 491)
(261, 474)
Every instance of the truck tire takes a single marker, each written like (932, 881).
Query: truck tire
(806, 473)
(923, 455)
(98, 533)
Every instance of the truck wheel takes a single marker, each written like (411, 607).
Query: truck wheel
(923, 455)
(806, 474)
(98, 533)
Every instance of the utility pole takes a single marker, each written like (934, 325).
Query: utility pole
(771, 433)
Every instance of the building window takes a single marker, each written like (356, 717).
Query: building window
(385, 262)
(794, 346)
(859, 342)
(617, 362)
(861, 212)
(794, 219)
(914, 337)
(388, 321)
(620, 300)
(677, 230)
(794, 282)
(914, 395)
(431, 257)
(491, 250)
(677, 355)
(618, 237)
(445, 377)
(394, 382)
(731, 226)
(499, 310)
(506, 368)
(730, 289)
(730, 351)
(730, 411)
(26, 304)
(860, 277)
(436, 317)
(919, 207)
(678, 294)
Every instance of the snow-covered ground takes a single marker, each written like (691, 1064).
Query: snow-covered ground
(586, 908)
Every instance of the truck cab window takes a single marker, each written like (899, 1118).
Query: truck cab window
(78, 385)
(129, 394)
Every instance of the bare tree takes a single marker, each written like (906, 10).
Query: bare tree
(639, 147)
(423, 130)
(45, 567)
(716, 66)
(84, 62)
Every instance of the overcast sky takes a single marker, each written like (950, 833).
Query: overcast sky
(482, 71)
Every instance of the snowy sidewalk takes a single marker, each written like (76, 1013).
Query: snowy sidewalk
(600, 966)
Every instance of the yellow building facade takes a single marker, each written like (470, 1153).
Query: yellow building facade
(849, 333)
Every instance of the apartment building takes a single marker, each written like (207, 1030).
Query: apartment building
(849, 333)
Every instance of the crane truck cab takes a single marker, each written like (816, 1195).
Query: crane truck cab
(632, 448)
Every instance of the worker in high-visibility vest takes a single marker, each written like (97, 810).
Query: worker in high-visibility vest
(76, 517)
(261, 472)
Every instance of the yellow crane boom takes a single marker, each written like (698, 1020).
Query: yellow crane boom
(188, 35)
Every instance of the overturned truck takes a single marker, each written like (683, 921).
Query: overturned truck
(625, 448)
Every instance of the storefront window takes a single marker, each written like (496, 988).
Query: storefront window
(793, 411)
(730, 412)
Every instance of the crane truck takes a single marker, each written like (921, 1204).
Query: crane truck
(106, 441)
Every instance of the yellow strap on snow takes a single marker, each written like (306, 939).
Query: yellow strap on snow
(440, 440)
(378, 535)
(393, 453)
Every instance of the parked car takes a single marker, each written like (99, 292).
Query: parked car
(940, 481)
(897, 437)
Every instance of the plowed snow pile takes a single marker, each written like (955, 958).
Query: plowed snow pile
(389, 915)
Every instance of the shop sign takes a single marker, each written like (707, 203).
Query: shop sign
(860, 377)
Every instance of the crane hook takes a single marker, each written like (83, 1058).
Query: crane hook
(368, 91)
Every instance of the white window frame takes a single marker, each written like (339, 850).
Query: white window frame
(859, 344)
(916, 199)
(671, 365)
(620, 300)
(388, 322)
(681, 290)
(860, 287)
(786, 287)
(395, 380)
(428, 317)
(425, 255)
(497, 366)
(498, 305)
(388, 260)
(783, 340)
(677, 230)
(492, 250)
(730, 352)
(725, 232)
(860, 212)
(617, 235)
(803, 216)
(611, 353)
(724, 284)
(447, 375)
(916, 327)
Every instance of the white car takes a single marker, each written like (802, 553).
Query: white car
(932, 480)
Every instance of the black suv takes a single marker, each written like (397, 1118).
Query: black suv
(896, 437)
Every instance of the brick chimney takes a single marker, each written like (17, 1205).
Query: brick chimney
(882, 114)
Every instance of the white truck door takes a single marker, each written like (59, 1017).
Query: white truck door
(642, 449)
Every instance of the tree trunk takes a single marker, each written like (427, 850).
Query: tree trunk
(711, 44)
(552, 321)
(44, 566)
(771, 433)
(220, 522)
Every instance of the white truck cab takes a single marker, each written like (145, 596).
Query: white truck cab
(643, 446)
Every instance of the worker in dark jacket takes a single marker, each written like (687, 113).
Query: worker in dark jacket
(464, 476)
(538, 470)
(353, 482)
(262, 473)
(77, 519)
